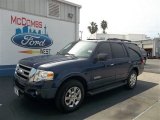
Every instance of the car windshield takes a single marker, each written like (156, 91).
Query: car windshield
(79, 49)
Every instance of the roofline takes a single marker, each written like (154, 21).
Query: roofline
(70, 3)
(143, 40)
(94, 40)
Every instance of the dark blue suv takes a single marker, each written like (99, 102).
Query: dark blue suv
(80, 68)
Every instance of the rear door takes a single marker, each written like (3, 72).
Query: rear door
(136, 56)
(122, 60)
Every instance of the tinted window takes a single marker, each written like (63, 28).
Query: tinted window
(134, 54)
(134, 47)
(118, 50)
(134, 51)
(144, 53)
(104, 48)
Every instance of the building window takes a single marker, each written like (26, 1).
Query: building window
(53, 8)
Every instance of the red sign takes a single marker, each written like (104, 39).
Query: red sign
(25, 22)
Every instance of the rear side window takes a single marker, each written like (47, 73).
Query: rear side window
(134, 52)
(118, 50)
(105, 48)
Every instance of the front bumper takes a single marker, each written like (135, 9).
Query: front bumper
(37, 90)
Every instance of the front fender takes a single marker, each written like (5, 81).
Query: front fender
(63, 77)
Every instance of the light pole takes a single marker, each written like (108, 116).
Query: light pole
(81, 33)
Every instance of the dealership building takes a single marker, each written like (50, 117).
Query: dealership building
(152, 46)
(35, 27)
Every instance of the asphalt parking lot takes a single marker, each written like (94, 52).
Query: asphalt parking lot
(119, 104)
(152, 66)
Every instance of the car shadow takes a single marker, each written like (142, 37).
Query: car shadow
(45, 110)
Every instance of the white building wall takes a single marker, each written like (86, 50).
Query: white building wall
(40, 7)
(132, 37)
(61, 32)
(135, 37)
(116, 36)
(100, 36)
(146, 44)
(106, 36)
(157, 47)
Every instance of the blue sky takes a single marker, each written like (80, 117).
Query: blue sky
(123, 16)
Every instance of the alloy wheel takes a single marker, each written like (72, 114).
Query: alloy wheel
(73, 96)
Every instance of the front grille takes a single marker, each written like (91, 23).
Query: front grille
(25, 67)
(23, 71)
(22, 76)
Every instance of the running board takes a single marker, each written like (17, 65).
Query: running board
(106, 88)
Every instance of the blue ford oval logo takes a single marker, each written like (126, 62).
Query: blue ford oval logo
(31, 39)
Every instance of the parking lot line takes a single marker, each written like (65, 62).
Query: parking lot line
(145, 111)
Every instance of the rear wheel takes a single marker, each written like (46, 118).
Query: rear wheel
(132, 79)
(70, 96)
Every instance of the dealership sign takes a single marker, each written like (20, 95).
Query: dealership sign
(33, 41)
(32, 34)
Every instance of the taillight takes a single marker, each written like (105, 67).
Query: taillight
(142, 61)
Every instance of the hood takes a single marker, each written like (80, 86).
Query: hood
(40, 60)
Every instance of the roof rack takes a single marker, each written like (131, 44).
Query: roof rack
(120, 40)
(96, 39)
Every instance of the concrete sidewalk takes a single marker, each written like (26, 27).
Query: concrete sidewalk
(143, 106)
(152, 113)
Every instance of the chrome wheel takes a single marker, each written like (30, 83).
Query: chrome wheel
(133, 79)
(73, 97)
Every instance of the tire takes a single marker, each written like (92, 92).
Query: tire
(132, 79)
(70, 96)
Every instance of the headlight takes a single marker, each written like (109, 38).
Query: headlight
(17, 67)
(39, 75)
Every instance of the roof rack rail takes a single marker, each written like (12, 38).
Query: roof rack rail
(95, 39)
(116, 39)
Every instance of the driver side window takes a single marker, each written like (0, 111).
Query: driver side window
(105, 48)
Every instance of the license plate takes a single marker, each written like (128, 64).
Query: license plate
(16, 91)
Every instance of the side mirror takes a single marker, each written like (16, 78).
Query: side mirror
(101, 57)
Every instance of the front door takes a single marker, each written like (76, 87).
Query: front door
(103, 71)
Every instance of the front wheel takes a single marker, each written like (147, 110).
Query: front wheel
(70, 96)
(132, 80)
